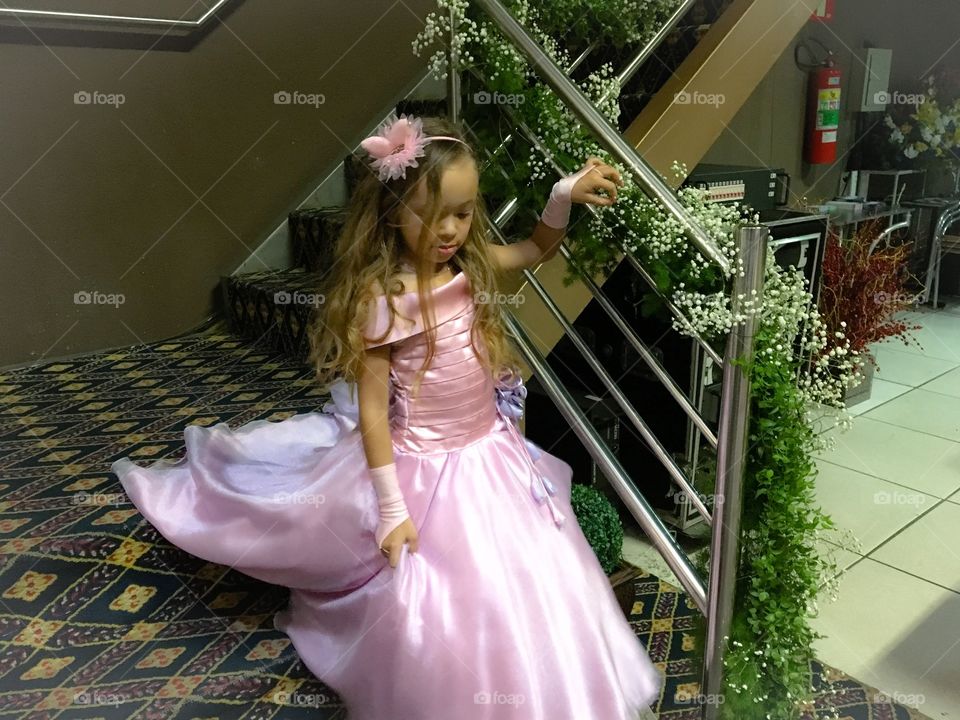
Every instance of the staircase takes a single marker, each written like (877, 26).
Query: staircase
(273, 307)
(703, 52)
(729, 58)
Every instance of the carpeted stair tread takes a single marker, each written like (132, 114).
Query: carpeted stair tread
(273, 307)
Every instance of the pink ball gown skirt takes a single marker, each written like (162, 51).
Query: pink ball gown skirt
(504, 611)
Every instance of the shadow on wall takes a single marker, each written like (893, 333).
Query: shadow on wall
(142, 168)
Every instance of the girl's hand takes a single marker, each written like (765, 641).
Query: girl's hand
(601, 177)
(393, 543)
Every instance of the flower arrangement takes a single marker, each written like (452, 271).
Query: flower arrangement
(931, 130)
(782, 571)
(862, 293)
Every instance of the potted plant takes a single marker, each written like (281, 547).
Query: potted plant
(601, 525)
(864, 287)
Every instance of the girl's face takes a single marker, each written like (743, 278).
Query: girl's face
(459, 184)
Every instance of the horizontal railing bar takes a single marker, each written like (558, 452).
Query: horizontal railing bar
(509, 208)
(573, 66)
(635, 264)
(662, 375)
(647, 50)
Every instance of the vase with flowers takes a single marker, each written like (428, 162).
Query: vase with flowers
(865, 287)
(924, 129)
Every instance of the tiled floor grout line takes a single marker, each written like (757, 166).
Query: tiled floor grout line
(917, 387)
(892, 482)
(902, 427)
(911, 522)
(922, 353)
(861, 558)
(866, 413)
(913, 575)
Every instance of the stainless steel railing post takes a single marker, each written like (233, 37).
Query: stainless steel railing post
(731, 462)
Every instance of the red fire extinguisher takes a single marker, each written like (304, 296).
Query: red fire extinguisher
(823, 115)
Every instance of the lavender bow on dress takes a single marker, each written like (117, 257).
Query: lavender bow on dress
(511, 393)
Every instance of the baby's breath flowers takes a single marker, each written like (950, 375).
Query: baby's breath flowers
(797, 365)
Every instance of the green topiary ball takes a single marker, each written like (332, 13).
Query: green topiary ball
(600, 523)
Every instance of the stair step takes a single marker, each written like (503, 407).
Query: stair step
(313, 237)
(272, 308)
(354, 168)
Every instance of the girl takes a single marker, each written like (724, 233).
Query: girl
(436, 568)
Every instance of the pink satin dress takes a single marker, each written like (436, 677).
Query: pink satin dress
(503, 613)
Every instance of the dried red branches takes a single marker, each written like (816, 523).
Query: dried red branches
(865, 290)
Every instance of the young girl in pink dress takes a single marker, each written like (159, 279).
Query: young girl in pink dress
(437, 571)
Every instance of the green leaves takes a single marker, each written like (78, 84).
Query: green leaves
(600, 524)
(781, 568)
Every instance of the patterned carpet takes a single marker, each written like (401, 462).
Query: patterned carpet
(101, 618)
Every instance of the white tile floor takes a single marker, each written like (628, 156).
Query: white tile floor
(893, 480)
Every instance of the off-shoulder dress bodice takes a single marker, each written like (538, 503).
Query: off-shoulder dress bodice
(455, 405)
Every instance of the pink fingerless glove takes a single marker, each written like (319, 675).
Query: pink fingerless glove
(393, 510)
(556, 214)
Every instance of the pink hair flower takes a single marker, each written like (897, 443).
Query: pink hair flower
(396, 147)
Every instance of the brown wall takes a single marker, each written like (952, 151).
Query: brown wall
(768, 130)
(105, 199)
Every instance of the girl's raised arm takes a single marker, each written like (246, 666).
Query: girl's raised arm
(583, 187)
(538, 248)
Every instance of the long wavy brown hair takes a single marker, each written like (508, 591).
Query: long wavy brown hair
(369, 249)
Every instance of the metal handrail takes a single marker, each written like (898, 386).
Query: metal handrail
(510, 206)
(569, 70)
(500, 219)
(717, 605)
(635, 63)
(656, 447)
(644, 352)
(638, 506)
(507, 211)
(610, 139)
(106, 18)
